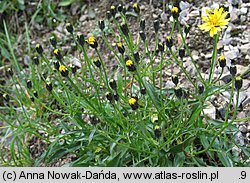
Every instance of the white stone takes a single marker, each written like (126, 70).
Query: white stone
(184, 5)
(243, 10)
(245, 48)
(194, 13)
(243, 129)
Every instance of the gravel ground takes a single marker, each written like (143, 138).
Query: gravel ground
(234, 44)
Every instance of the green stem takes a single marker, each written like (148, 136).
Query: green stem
(211, 74)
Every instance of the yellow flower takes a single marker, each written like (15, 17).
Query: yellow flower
(119, 44)
(215, 20)
(132, 101)
(62, 68)
(221, 57)
(92, 42)
(56, 51)
(129, 63)
(175, 10)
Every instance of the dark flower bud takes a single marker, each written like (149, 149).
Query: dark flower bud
(175, 12)
(29, 84)
(187, 29)
(133, 102)
(200, 88)
(69, 28)
(73, 68)
(94, 120)
(35, 94)
(124, 28)
(109, 16)
(143, 36)
(49, 86)
(161, 47)
(142, 24)
(233, 70)
(57, 54)
(125, 114)
(169, 42)
(137, 57)
(120, 8)
(101, 24)
(233, 62)
(109, 96)
(143, 91)
(39, 49)
(97, 62)
(53, 41)
(156, 25)
(120, 48)
(56, 65)
(136, 8)
(36, 60)
(157, 131)
(81, 39)
(178, 92)
(63, 70)
(175, 79)
(112, 84)
(116, 97)
(113, 10)
(222, 61)
(6, 97)
(238, 83)
(181, 52)
(9, 72)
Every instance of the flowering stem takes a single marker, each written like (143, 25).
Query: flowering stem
(189, 53)
(213, 59)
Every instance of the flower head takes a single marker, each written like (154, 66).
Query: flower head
(133, 103)
(39, 49)
(175, 12)
(222, 61)
(120, 47)
(215, 20)
(63, 70)
(57, 54)
(130, 65)
(136, 8)
(92, 42)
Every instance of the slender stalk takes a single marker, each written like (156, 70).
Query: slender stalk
(211, 74)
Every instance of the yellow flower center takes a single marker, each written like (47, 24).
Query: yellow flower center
(132, 101)
(56, 51)
(129, 63)
(38, 45)
(175, 10)
(112, 7)
(62, 68)
(91, 40)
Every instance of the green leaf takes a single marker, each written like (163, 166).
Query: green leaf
(195, 114)
(66, 2)
(152, 92)
(115, 161)
(180, 147)
(179, 159)
(120, 84)
(225, 160)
